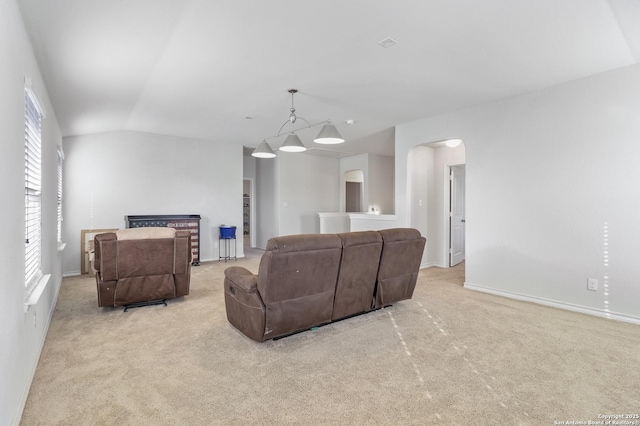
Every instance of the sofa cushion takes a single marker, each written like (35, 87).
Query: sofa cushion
(299, 265)
(144, 233)
(358, 273)
(145, 257)
(399, 265)
(296, 281)
(303, 242)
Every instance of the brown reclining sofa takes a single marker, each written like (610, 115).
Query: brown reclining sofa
(141, 265)
(310, 280)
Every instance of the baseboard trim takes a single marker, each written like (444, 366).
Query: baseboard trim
(34, 367)
(555, 304)
(433, 265)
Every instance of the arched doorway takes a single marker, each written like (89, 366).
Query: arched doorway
(429, 195)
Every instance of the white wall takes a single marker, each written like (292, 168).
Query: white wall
(552, 192)
(291, 189)
(22, 334)
(249, 167)
(420, 171)
(267, 200)
(428, 193)
(378, 186)
(348, 164)
(308, 184)
(111, 175)
(381, 183)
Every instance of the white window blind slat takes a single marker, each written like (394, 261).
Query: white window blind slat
(59, 193)
(33, 187)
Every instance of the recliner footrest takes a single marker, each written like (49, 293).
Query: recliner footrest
(141, 304)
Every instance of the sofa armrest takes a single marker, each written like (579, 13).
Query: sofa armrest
(105, 258)
(183, 253)
(243, 303)
(242, 278)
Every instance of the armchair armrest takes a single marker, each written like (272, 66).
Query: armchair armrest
(242, 278)
(245, 309)
(105, 258)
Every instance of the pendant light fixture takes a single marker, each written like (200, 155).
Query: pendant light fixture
(328, 135)
(292, 144)
(263, 151)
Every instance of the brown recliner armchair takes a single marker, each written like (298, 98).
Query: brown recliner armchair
(140, 266)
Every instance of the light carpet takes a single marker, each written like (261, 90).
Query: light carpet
(449, 356)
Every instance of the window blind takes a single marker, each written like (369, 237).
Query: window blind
(33, 189)
(59, 192)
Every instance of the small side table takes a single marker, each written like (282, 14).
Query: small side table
(227, 235)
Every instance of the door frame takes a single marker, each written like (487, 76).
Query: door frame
(446, 225)
(252, 212)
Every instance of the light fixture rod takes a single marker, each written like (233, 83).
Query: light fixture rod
(292, 115)
(309, 125)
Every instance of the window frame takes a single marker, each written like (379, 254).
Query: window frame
(59, 192)
(34, 114)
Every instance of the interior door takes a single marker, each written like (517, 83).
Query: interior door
(456, 215)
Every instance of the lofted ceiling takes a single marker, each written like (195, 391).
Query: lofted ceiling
(199, 68)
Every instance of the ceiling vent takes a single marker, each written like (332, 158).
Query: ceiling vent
(388, 42)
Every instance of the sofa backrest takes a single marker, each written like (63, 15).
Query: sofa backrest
(399, 265)
(358, 272)
(297, 281)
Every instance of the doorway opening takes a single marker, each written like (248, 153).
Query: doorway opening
(456, 214)
(431, 194)
(354, 182)
(248, 213)
(353, 191)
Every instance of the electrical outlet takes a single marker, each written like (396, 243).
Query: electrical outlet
(592, 284)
